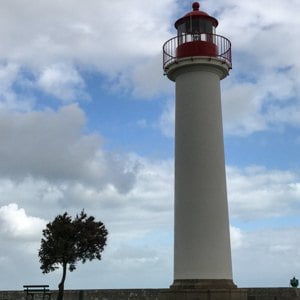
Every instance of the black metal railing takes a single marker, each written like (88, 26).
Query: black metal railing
(223, 46)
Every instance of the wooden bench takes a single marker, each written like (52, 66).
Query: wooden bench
(32, 290)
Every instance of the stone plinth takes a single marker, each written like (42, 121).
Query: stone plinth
(207, 284)
(202, 294)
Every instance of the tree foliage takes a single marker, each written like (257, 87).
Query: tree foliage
(67, 241)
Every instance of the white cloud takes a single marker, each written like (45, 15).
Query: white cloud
(236, 237)
(268, 257)
(51, 145)
(16, 224)
(242, 109)
(264, 86)
(58, 47)
(145, 205)
(148, 80)
(62, 81)
(166, 122)
(258, 193)
(56, 41)
(9, 74)
(83, 32)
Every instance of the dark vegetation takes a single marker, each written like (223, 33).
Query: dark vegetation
(67, 241)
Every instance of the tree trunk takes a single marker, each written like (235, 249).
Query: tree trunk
(61, 285)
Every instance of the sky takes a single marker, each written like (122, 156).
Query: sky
(87, 122)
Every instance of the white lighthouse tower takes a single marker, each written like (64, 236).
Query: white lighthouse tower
(197, 59)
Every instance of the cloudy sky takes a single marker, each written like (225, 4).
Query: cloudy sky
(87, 121)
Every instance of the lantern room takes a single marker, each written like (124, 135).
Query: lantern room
(195, 33)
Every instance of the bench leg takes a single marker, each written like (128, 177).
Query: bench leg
(48, 296)
(29, 296)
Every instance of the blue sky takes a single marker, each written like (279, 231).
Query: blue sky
(87, 121)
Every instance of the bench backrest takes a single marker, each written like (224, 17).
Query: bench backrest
(36, 288)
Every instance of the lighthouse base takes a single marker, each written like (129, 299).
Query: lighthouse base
(203, 284)
(206, 289)
(206, 294)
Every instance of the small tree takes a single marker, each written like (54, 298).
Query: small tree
(66, 241)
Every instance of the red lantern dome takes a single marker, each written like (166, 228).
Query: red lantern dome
(197, 20)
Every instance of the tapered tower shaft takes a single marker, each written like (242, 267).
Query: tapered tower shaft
(202, 243)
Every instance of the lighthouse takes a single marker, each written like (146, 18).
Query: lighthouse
(197, 59)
